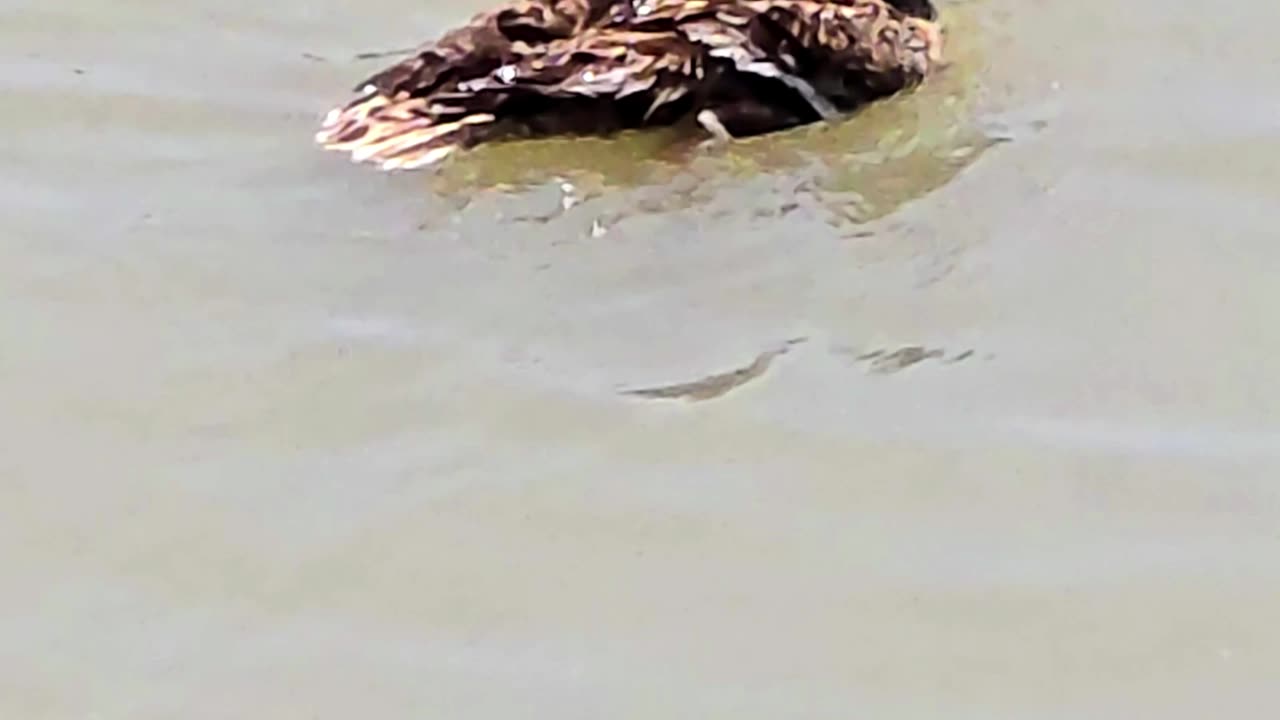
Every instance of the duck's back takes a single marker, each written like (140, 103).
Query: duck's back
(551, 66)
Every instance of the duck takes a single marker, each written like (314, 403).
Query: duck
(731, 68)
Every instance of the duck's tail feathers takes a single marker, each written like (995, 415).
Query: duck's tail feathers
(401, 134)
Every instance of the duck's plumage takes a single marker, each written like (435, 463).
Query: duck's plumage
(552, 66)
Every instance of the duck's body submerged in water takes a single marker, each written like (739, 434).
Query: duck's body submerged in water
(538, 67)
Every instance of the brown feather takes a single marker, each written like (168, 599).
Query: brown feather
(553, 66)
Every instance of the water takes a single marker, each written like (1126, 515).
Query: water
(288, 438)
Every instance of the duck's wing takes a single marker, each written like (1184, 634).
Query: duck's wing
(491, 39)
(599, 79)
(413, 113)
(611, 64)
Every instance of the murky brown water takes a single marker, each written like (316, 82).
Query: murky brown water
(287, 438)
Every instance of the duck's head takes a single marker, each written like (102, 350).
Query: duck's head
(926, 34)
(922, 9)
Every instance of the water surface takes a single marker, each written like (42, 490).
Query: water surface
(288, 438)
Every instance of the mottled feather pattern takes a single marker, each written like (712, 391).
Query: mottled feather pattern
(535, 67)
